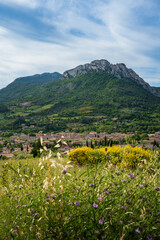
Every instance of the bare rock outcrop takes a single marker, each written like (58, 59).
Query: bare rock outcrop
(118, 70)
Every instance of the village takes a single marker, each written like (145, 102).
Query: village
(24, 143)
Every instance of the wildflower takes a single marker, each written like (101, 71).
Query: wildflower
(53, 196)
(95, 205)
(124, 180)
(131, 175)
(138, 231)
(47, 199)
(64, 171)
(117, 171)
(20, 213)
(106, 192)
(157, 188)
(78, 188)
(70, 215)
(123, 207)
(91, 184)
(24, 205)
(140, 185)
(71, 203)
(35, 214)
(101, 222)
(100, 198)
(118, 186)
(158, 213)
(27, 194)
(121, 222)
(76, 203)
(108, 215)
(128, 200)
(149, 237)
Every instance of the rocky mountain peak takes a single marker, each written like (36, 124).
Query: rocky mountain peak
(118, 70)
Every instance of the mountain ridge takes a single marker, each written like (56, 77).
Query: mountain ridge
(22, 85)
(119, 70)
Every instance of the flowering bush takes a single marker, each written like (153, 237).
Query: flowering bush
(86, 155)
(127, 156)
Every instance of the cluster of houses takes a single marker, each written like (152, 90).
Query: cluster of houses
(72, 139)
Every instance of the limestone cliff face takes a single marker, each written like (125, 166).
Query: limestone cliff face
(118, 70)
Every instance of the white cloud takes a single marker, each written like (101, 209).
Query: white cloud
(117, 39)
(25, 3)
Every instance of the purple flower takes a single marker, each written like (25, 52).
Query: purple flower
(101, 222)
(95, 205)
(70, 215)
(24, 205)
(47, 199)
(158, 213)
(91, 184)
(106, 192)
(35, 214)
(138, 231)
(124, 180)
(140, 185)
(128, 200)
(117, 171)
(78, 188)
(20, 213)
(149, 237)
(100, 198)
(76, 203)
(71, 203)
(123, 207)
(53, 196)
(131, 175)
(118, 186)
(108, 215)
(157, 188)
(27, 194)
(64, 171)
(121, 222)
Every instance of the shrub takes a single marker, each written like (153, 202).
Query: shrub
(85, 155)
(127, 156)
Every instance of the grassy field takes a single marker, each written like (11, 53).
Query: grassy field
(50, 198)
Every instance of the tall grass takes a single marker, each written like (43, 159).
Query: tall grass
(51, 199)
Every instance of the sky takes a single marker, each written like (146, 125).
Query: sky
(39, 36)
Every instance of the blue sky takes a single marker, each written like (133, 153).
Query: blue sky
(39, 36)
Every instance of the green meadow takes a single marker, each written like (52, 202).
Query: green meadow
(51, 198)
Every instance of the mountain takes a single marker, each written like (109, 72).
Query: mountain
(22, 86)
(118, 70)
(93, 97)
(157, 89)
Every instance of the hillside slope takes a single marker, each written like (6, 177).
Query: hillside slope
(84, 101)
(21, 87)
